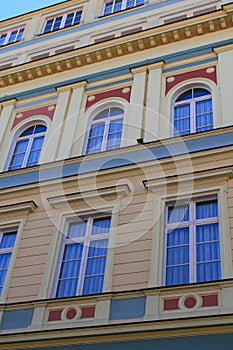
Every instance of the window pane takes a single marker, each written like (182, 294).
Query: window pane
(69, 19)
(200, 92)
(182, 119)
(77, 229)
(206, 209)
(208, 272)
(4, 260)
(12, 36)
(39, 128)
(207, 233)
(118, 5)
(77, 18)
(187, 95)
(178, 214)
(178, 237)
(8, 240)
(67, 288)
(101, 226)
(115, 111)
(48, 26)
(28, 131)
(2, 39)
(177, 275)
(108, 8)
(57, 23)
(20, 34)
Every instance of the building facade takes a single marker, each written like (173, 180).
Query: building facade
(116, 202)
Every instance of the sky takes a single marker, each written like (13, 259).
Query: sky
(12, 8)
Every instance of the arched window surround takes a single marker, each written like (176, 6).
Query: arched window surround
(178, 91)
(21, 128)
(94, 111)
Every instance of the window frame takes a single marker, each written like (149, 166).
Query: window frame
(17, 137)
(123, 6)
(192, 103)
(86, 240)
(18, 37)
(106, 122)
(191, 224)
(63, 20)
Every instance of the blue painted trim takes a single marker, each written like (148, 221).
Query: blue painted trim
(192, 64)
(124, 309)
(118, 71)
(85, 165)
(47, 100)
(201, 342)
(15, 319)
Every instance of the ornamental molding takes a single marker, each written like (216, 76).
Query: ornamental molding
(121, 46)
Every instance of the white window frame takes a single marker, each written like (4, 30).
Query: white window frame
(106, 122)
(17, 138)
(192, 102)
(63, 21)
(8, 35)
(86, 240)
(123, 6)
(191, 224)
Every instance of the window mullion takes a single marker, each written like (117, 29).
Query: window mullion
(7, 37)
(27, 153)
(192, 241)
(124, 3)
(63, 21)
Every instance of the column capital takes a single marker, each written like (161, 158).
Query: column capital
(139, 70)
(8, 103)
(156, 65)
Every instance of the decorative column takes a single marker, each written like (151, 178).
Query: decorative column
(151, 132)
(73, 131)
(53, 136)
(133, 122)
(6, 113)
(225, 77)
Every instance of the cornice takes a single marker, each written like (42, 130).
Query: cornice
(120, 47)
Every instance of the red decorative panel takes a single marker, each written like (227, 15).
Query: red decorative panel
(45, 110)
(54, 315)
(171, 304)
(209, 73)
(123, 92)
(88, 312)
(190, 302)
(210, 300)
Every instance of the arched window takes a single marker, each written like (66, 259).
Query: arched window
(106, 130)
(28, 147)
(193, 112)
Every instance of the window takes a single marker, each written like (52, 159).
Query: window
(28, 147)
(84, 257)
(118, 5)
(192, 242)
(193, 112)
(62, 21)
(11, 37)
(7, 240)
(106, 130)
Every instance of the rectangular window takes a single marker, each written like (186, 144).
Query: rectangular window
(63, 21)
(118, 5)
(7, 241)
(192, 242)
(11, 37)
(84, 257)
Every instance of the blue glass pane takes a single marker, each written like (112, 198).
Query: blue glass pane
(8, 240)
(200, 92)
(97, 130)
(2, 39)
(115, 125)
(94, 145)
(185, 96)
(206, 209)
(70, 269)
(77, 18)
(102, 114)
(21, 146)
(28, 131)
(4, 260)
(178, 256)
(177, 275)
(57, 23)
(67, 288)
(73, 252)
(139, 2)
(207, 233)
(98, 248)
(48, 26)
(17, 161)
(93, 285)
(118, 5)
(178, 237)
(130, 3)
(204, 106)
(39, 128)
(208, 271)
(69, 19)
(178, 214)
(2, 277)
(95, 266)
(20, 34)
(77, 229)
(13, 36)
(101, 225)
(208, 252)
(115, 111)
(108, 8)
